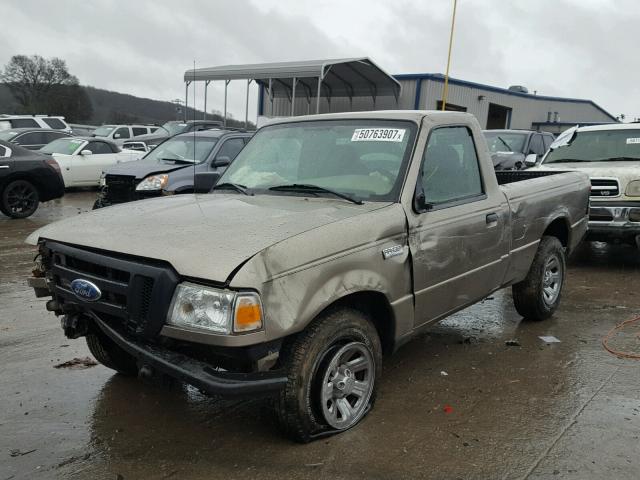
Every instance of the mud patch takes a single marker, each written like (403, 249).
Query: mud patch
(78, 363)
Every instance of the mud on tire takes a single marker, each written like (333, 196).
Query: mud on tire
(537, 297)
(111, 355)
(312, 361)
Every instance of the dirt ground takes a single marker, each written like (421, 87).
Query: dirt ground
(458, 403)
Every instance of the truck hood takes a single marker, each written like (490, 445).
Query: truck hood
(142, 169)
(203, 236)
(624, 172)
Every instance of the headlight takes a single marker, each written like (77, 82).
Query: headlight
(215, 310)
(153, 182)
(633, 189)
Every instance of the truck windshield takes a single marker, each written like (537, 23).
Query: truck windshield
(505, 141)
(364, 159)
(7, 135)
(67, 146)
(182, 149)
(174, 128)
(103, 131)
(598, 146)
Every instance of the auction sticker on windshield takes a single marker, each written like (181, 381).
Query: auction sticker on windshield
(378, 135)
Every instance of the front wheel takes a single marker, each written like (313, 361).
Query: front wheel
(19, 199)
(109, 354)
(333, 368)
(537, 297)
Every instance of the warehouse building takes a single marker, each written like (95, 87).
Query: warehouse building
(358, 84)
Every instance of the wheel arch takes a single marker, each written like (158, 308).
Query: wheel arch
(559, 228)
(376, 306)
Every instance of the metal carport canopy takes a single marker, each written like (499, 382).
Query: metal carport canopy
(344, 77)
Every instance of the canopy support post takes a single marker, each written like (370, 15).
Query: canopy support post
(206, 85)
(319, 93)
(293, 96)
(246, 109)
(226, 84)
(186, 98)
(271, 95)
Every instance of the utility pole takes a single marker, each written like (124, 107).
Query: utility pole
(446, 76)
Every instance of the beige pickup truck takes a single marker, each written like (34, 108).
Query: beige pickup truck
(330, 241)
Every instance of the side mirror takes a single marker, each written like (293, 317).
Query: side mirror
(86, 152)
(221, 161)
(203, 182)
(531, 159)
(116, 135)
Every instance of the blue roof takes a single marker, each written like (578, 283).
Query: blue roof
(438, 77)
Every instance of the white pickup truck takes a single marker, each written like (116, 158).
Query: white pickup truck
(610, 155)
(83, 159)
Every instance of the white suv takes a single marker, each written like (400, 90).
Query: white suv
(8, 122)
(120, 133)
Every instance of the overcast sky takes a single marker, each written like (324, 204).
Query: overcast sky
(574, 48)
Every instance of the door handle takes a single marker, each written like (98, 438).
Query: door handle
(492, 218)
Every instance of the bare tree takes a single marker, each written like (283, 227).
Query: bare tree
(32, 79)
(45, 86)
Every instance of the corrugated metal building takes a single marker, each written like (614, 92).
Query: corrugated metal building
(494, 107)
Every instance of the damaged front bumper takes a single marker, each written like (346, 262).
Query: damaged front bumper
(195, 372)
(617, 221)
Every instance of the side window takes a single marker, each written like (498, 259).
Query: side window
(33, 138)
(450, 169)
(3, 151)
(24, 123)
(535, 145)
(98, 148)
(548, 140)
(230, 148)
(122, 132)
(139, 131)
(54, 123)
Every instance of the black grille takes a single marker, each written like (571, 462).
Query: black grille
(133, 293)
(604, 187)
(120, 188)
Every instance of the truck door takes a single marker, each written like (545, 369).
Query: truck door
(458, 241)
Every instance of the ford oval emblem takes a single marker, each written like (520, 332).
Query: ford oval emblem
(85, 290)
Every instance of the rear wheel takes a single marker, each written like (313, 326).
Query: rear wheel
(333, 368)
(19, 199)
(537, 297)
(111, 355)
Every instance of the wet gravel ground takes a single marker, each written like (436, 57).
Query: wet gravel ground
(458, 403)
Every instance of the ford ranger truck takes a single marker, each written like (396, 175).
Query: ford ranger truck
(610, 155)
(330, 241)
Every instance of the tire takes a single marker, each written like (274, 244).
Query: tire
(341, 350)
(111, 355)
(537, 297)
(20, 199)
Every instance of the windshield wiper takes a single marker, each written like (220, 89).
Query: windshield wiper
(232, 186)
(568, 160)
(177, 160)
(505, 143)
(304, 187)
(617, 159)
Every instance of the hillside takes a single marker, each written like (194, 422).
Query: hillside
(114, 107)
